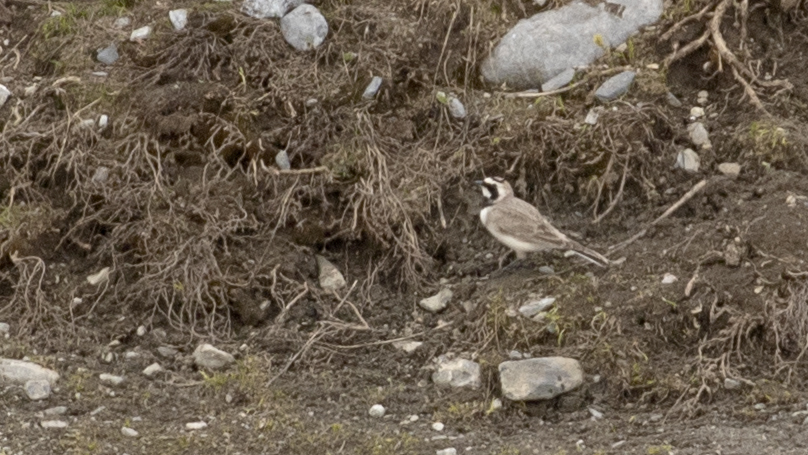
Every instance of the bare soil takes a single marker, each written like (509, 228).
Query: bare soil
(205, 240)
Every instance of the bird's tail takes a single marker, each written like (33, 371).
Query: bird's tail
(590, 255)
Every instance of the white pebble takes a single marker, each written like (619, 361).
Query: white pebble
(141, 331)
(669, 278)
(438, 426)
(129, 432)
(377, 410)
(196, 425)
(152, 369)
(53, 424)
(449, 451)
(110, 379)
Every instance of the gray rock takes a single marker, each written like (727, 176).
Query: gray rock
(152, 369)
(373, 88)
(19, 372)
(129, 432)
(698, 135)
(209, 357)
(167, 352)
(377, 411)
(4, 328)
(304, 28)
(615, 86)
(262, 9)
(55, 411)
(330, 277)
(696, 112)
(110, 379)
(447, 451)
(122, 22)
(103, 121)
(593, 115)
(54, 424)
(539, 378)
(407, 346)
(196, 425)
(702, 97)
(540, 47)
(729, 169)
(688, 160)
(438, 301)
(37, 389)
(282, 160)
(535, 307)
(108, 55)
(673, 100)
(178, 18)
(140, 34)
(562, 79)
(456, 108)
(514, 355)
(5, 94)
(457, 373)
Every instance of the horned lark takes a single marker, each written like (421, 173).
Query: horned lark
(520, 226)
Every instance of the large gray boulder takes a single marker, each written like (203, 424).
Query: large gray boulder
(541, 47)
(20, 372)
(540, 378)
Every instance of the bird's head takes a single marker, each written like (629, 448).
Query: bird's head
(495, 189)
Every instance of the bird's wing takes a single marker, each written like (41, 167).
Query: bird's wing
(521, 220)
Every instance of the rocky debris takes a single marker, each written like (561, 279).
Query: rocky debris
(596, 415)
(548, 43)
(262, 9)
(140, 34)
(535, 307)
(167, 352)
(688, 160)
(5, 94)
(702, 96)
(103, 121)
(377, 411)
(496, 405)
(56, 424)
(207, 356)
(110, 379)
(731, 384)
(515, 355)
(37, 389)
(304, 28)
(4, 328)
(178, 18)
(729, 169)
(438, 426)
(373, 88)
(55, 411)
(448, 451)
(196, 425)
(20, 372)
(593, 115)
(407, 346)
(122, 22)
(698, 135)
(152, 369)
(457, 373)
(696, 112)
(560, 80)
(437, 302)
(99, 277)
(669, 278)
(108, 55)
(733, 254)
(615, 86)
(329, 276)
(539, 378)
(456, 108)
(129, 432)
(141, 330)
(282, 160)
(673, 100)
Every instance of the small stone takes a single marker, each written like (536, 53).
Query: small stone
(702, 96)
(592, 115)
(669, 278)
(407, 346)
(438, 426)
(456, 108)
(129, 432)
(100, 277)
(311, 102)
(167, 352)
(4, 328)
(196, 425)
(539, 378)
(696, 112)
(496, 405)
(330, 277)
(615, 86)
(304, 28)
(122, 22)
(546, 269)
(673, 100)
(457, 373)
(178, 18)
(560, 80)
(729, 169)
(108, 55)
(111, 379)
(596, 415)
(688, 160)
(131, 355)
(449, 451)
(5, 94)
(698, 135)
(514, 355)
(20, 372)
(55, 411)
(534, 307)
(731, 384)
(262, 9)
(733, 255)
(207, 356)
(141, 331)
(652, 66)
(152, 369)
(377, 411)
(760, 406)
(140, 34)
(373, 88)
(37, 389)
(53, 424)
(103, 121)
(438, 301)
(282, 160)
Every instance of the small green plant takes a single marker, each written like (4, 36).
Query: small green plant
(659, 450)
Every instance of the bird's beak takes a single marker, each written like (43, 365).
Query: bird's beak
(478, 182)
